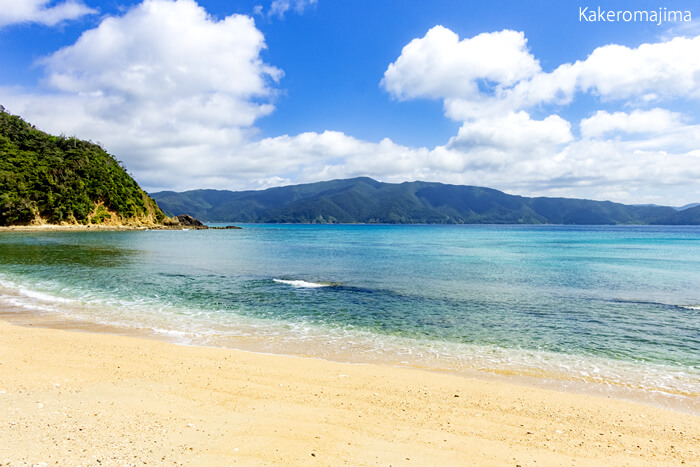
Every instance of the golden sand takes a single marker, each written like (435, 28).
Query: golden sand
(67, 227)
(78, 398)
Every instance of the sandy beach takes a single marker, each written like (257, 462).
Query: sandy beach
(80, 398)
(63, 228)
(83, 228)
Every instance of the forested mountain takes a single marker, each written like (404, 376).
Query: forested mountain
(55, 179)
(364, 200)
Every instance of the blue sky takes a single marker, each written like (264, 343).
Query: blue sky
(520, 96)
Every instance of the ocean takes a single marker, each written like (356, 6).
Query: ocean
(612, 310)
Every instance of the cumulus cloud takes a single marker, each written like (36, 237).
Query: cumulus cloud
(496, 73)
(639, 121)
(440, 65)
(649, 72)
(490, 83)
(160, 86)
(39, 11)
(646, 74)
(513, 131)
(162, 49)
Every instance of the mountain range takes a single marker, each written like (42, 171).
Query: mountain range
(364, 200)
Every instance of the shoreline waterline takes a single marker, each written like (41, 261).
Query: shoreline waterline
(538, 378)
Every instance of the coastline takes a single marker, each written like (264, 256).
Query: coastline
(75, 397)
(89, 228)
(67, 227)
(245, 341)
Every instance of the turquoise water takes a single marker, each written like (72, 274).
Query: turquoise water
(613, 306)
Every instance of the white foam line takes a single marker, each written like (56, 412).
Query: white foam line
(299, 283)
(43, 297)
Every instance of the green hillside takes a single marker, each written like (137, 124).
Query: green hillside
(60, 180)
(363, 200)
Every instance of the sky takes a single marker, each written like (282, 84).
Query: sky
(537, 98)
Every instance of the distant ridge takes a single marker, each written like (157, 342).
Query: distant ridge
(364, 200)
(679, 208)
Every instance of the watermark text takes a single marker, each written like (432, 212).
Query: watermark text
(658, 17)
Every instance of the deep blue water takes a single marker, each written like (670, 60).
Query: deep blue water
(618, 304)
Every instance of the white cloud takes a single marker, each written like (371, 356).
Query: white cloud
(162, 49)
(159, 86)
(440, 65)
(493, 73)
(39, 11)
(639, 121)
(648, 73)
(666, 69)
(279, 8)
(513, 131)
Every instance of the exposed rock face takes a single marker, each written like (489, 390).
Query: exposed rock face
(184, 221)
(188, 221)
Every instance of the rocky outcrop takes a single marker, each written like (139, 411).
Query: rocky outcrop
(188, 221)
(184, 221)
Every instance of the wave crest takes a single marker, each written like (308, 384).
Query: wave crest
(303, 284)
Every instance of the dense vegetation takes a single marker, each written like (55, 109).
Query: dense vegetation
(363, 200)
(57, 179)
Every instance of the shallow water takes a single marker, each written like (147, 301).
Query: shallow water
(610, 308)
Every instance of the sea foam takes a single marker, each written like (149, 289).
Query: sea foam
(300, 283)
